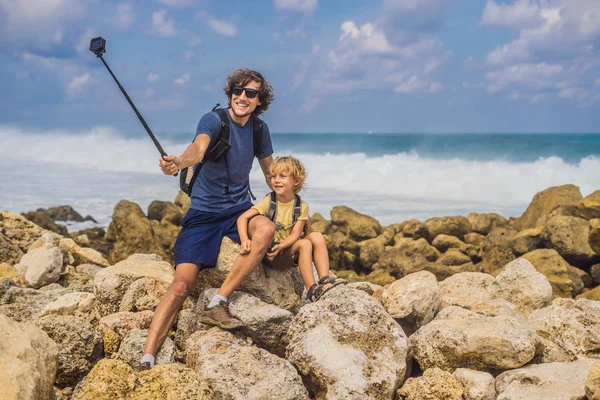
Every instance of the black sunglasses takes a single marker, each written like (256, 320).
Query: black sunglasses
(250, 93)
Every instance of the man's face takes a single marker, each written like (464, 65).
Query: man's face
(242, 105)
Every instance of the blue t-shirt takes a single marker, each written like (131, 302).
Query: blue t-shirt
(209, 192)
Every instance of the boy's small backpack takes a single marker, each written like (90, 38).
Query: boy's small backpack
(272, 213)
(217, 149)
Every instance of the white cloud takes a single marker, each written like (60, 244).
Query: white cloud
(436, 87)
(309, 104)
(178, 3)
(520, 13)
(124, 16)
(83, 45)
(222, 27)
(46, 62)
(306, 6)
(153, 77)
(535, 76)
(163, 26)
(408, 17)
(78, 83)
(185, 78)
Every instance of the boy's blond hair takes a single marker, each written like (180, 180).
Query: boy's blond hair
(292, 167)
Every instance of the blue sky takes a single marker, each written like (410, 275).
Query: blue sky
(336, 66)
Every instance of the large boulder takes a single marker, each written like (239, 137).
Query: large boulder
(84, 255)
(546, 201)
(132, 347)
(592, 382)
(347, 346)
(460, 338)
(115, 380)
(527, 240)
(28, 359)
(111, 284)
(454, 226)
(183, 201)
(79, 346)
(344, 252)
(497, 250)
(282, 288)
(16, 232)
(22, 304)
(594, 238)
(131, 233)
(43, 220)
(165, 211)
(41, 266)
(557, 381)
(568, 327)
(484, 223)
(355, 225)
(371, 250)
(433, 384)
(236, 369)
(466, 289)
(523, 286)
(569, 236)
(556, 269)
(145, 294)
(444, 242)
(477, 385)
(415, 229)
(77, 304)
(413, 301)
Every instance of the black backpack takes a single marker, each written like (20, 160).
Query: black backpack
(272, 213)
(217, 149)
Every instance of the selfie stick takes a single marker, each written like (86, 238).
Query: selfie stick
(98, 46)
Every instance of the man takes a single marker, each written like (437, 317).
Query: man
(218, 197)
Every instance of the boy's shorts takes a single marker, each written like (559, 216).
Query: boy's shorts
(199, 240)
(283, 260)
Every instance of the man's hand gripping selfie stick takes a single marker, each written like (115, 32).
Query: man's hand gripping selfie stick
(98, 47)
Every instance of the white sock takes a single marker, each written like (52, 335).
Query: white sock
(148, 358)
(217, 298)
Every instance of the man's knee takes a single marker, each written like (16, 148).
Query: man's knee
(180, 290)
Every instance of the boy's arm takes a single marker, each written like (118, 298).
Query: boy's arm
(294, 235)
(242, 223)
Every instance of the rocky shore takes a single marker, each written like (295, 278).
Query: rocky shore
(475, 307)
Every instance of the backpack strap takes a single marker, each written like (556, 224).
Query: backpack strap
(297, 208)
(222, 112)
(272, 213)
(257, 133)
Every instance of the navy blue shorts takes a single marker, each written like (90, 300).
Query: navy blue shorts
(201, 233)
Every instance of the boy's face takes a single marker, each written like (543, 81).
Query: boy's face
(283, 183)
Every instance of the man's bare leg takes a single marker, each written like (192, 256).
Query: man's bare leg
(184, 281)
(261, 231)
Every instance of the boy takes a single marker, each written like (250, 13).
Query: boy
(289, 246)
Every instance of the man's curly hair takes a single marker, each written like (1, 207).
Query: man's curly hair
(242, 77)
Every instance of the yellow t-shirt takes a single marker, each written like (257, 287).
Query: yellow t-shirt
(285, 213)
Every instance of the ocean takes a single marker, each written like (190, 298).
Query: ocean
(392, 177)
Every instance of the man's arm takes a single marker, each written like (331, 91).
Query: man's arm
(265, 164)
(191, 156)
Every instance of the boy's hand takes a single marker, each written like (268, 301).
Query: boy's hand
(246, 245)
(272, 252)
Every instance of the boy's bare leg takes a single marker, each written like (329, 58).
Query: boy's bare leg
(304, 248)
(261, 231)
(184, 281)
(320, 254)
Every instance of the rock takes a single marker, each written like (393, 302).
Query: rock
(64, 213)
(378, 277)
(460, 338)
(235, 369)
(8, 251)
(366, 287)
(556, 269)
(84, 255)
(476, 385)
(88, 269)
(43, 220)
(41, 266)
(413, 301)
(124, 322)
(400, 262)
(338, 245)
(111, 283)
(132, 348)
(167, 234)
(16, 232)
(28, 359)
(571, 326)
(523, 286)
(113, 379)
(474, 238)
(347, 346)
(454, 226)
(444, 242)
(76, 304)
(279, 287)
(415, 229)
(474, 252)
(497, 251)
(560, 381)
(79, 347)
(97, 240)
(165, 210)
(593, 294)
(266, 324)
(21, 304)
(371, 250)
(355, 225)
(595, 273)
(145, 294)
(82, 240)
(442, 271)
(527, 240)
(131, 232)
(485, 223)
(592, 382)
(594, 236)
(434, 384)
(8, 271)
(569, 236)
(544, 202)
(183, 201)
(466, 289)
(453, 257)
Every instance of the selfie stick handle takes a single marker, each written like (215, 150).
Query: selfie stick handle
(156, 143)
